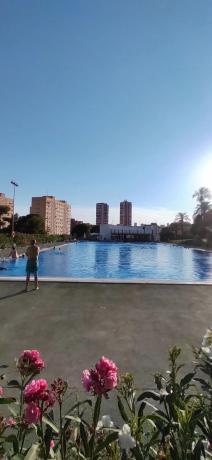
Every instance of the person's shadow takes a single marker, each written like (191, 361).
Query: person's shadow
(12, 295)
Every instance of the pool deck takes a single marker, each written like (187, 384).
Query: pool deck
(73, 324)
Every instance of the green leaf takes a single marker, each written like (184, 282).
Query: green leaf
(80, 455)
(12, 438)
(91, 443)
(84, 438)
(112, 437)
(48, 438)
(185, 380)
(199, 450)
(58, 455)
(33, 452)
(14, 409)
(75, 419)
(7, 400)
(141, 409)
(137, 453)
(46, 419)
(122, 410)
(149, 395)
(203, 382)
(14, 383)
(80, 403)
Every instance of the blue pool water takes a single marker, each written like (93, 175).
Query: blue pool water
(119, 261)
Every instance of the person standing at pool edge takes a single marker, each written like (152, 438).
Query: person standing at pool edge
(32, 253)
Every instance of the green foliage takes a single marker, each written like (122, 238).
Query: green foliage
(31, 223)
(198, 234)
(203, 196)
(81, 230)
(23, 239)
(167, 235)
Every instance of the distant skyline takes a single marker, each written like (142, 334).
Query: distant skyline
(106, 101)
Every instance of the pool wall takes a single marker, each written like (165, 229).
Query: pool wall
(105, 281)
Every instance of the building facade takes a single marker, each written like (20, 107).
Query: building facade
(6, 201)
(128, 233)
(55, 213)
(126, 213)
(102, 213)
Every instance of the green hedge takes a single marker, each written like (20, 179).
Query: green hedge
(23, 239)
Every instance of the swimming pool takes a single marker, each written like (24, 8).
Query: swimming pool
(95, 260)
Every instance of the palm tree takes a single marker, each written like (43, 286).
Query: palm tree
(203, 196)
(181, 218)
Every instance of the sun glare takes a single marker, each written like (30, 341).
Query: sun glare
(204, 173)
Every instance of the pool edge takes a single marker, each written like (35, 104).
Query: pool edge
(107, 281)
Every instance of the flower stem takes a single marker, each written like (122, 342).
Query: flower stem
(21, 397)
(61, 430)
(21, 407)
(97, 409)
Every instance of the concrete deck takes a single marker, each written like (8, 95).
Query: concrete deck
(73, 324)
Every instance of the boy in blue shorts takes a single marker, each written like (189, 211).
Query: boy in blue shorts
(32, 263)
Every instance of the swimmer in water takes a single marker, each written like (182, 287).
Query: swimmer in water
(14, 252)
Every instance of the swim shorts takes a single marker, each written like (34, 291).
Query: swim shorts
(32, 267)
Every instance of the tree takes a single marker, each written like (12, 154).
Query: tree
(181, 218)
(167, 234)
(80, 230)
(95, 229)
(32, 223)
(3, 215)
(203, 196)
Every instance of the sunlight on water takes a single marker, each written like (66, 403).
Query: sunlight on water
(119, 261)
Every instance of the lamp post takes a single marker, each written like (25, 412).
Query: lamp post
(14, 187)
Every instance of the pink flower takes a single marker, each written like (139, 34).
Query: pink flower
(87, 380)
(1, 391)
(11, 421)
(32, 413)
(37, 392)
(52, 444)
(30, 362)
(106, 365)
(6, 423)
(49, 399)
(101, 379)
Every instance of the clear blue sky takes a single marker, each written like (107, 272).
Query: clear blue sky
(104, 100)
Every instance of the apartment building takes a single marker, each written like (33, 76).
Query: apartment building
(56, 214)
(6, 201)
(125, 213)
(102, 213)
